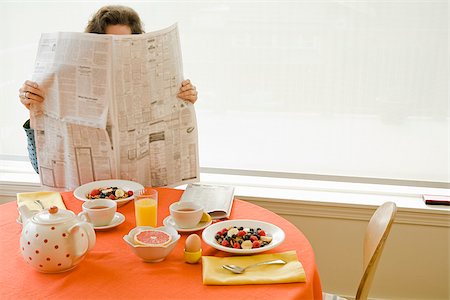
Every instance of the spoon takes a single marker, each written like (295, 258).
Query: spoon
(240, 270)
(38, 202)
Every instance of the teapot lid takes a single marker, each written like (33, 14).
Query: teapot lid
(53, 215)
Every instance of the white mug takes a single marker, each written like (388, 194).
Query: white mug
(186, 214)
(99, 212)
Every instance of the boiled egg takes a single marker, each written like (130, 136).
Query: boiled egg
(193, 243)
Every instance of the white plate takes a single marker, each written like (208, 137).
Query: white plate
(275, 232)
(81, 191)
(169, 221)
(116, 221)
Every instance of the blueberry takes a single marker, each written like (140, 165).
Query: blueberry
(233, 236)
(241, 228)
(240, 241)
(217, 237)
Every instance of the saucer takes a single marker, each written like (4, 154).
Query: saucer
(169, 221)
(116, 221)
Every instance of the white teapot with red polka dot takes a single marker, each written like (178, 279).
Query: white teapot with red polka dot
(54, 240)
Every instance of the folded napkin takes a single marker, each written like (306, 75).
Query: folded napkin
(214, 274)
(47, 199)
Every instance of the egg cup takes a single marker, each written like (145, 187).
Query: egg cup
(192, 257)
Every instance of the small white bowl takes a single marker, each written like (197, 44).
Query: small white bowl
(152, 253)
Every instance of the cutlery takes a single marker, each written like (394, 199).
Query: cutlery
(38, 202)
(240, 270)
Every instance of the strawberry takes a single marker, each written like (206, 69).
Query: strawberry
(237, 245)
(261, 232)
(112, 197)
(256, 244)
(241, 233)
(130, 193)
(225, 243)
(95, 192)
(253, 238)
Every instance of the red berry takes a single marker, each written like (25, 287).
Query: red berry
(225, 243)
(95, 192)
(237, 245)
(253, 238)
(261, 232)
(224, 231)
(256, 244)
(130, 193)
(112, 197)
(241, 233)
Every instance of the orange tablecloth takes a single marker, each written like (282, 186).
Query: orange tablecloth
(112, 271)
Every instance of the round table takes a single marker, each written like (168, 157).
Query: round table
(111, 271)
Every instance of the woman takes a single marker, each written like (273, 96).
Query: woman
(113, 19)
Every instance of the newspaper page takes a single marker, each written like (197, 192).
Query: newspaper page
(111, 110)
(217, 200)
(156, 131)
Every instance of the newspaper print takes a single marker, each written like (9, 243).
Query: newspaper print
(111, 110)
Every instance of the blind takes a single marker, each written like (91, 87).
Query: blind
(338, 88)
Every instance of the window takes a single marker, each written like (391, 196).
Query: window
(357, 89)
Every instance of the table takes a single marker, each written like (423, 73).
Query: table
(112, 271)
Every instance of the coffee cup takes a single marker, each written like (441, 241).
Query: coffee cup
(99, 212)
(186, 214)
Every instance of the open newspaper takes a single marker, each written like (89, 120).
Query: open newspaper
(216, 200)
(111, 110)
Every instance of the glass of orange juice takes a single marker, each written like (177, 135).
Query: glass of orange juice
(146, 207)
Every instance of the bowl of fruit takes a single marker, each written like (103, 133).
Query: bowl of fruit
(243, 236)
(152, 244)
(120, 191)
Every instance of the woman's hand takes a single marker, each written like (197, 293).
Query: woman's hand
(30, 93)
(188, 91)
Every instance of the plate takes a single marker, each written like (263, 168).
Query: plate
(169, 221)
(81, 191)
(116, 221)
(270, 229)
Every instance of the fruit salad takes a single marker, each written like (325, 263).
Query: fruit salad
(242, 238)
(113, 193)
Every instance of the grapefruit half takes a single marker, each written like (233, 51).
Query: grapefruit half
(152, 238)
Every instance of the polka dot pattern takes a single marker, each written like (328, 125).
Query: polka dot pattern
(49, 249)
(31, 145)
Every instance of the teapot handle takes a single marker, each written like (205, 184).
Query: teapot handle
(89, 231)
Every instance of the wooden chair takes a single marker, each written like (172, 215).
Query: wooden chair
(375, 237)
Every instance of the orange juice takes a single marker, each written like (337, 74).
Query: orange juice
(145, 209)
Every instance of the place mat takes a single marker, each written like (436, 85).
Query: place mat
(292, 271)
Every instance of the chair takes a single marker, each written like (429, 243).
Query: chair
(375, 237)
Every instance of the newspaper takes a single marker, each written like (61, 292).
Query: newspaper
(111, 110)
(216, 200)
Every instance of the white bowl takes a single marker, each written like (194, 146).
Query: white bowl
(81, 191)
(275, 232)
(152, 253)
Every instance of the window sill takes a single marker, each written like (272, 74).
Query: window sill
(292, 196)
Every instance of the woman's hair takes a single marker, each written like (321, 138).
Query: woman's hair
(115, 15)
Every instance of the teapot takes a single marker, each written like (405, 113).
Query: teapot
(54, 240)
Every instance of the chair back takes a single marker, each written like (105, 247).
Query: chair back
(376, 234)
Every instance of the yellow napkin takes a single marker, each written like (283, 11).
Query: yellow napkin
(214, 274)
(47, 199)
